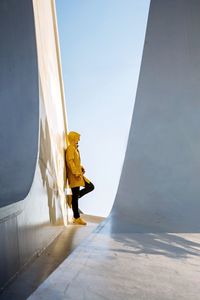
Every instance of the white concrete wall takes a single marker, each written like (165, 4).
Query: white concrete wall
(159, 187)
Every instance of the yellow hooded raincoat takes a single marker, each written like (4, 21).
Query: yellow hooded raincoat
(74, 168)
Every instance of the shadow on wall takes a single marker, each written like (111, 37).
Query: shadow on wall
(52, 161)
(47, 169)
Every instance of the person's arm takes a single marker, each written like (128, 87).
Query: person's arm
(73, 168)
(70, 161)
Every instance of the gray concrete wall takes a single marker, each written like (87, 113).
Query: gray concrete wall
(19, 98)
(159, 188)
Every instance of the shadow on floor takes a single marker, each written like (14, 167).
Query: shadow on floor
(167, 244)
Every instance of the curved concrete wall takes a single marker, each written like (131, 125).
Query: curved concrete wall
(32, 100)
(19, 94)
(159, 188)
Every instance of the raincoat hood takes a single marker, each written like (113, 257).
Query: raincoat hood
(73, 137)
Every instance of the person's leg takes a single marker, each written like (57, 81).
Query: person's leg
(75, 196)
(87, 189)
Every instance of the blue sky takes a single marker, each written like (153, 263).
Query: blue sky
(101, 45)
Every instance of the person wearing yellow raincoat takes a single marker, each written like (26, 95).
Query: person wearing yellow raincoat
(75, 175)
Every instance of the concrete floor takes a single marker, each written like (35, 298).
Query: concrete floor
(42, 266)
(135, 266)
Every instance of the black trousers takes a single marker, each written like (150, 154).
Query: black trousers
(77, 193)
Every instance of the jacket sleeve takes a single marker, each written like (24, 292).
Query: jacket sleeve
(70, 161)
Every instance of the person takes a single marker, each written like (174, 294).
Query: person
(75, 175)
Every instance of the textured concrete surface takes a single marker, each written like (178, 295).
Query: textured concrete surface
(46, 262)
(139, 266)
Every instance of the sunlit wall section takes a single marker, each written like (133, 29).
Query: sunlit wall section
(53, 125)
